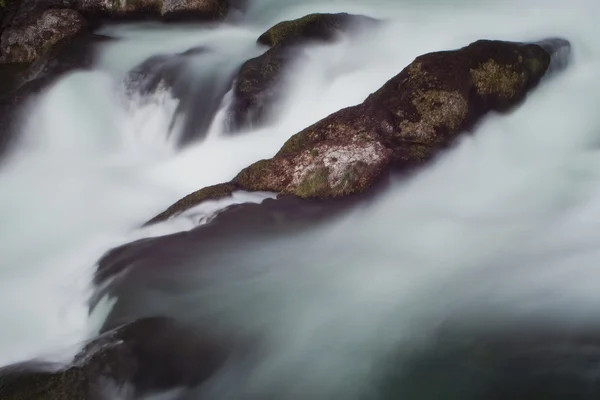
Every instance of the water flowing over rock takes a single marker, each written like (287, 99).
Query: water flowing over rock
(177, 75)
(19, 82)
(259, 80)
(405, 123)
(145, 356)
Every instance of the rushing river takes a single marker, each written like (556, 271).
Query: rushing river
(503, 228)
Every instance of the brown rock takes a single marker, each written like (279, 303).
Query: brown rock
(407, 121)
(313, 27)
(194, 9)
(28, 43)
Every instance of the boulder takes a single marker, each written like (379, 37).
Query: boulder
(314, 27)
(405, 123)
(194, 9)
(409, 120)
(258, 85)
(145, 356)
(28, 43)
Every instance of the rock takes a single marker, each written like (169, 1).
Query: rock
(97, 11)
(258, 85)
(150, 354)
(313, 27)
(194, 9)
(208, 193)
(257, 88)
(405, 123)
(27, 44)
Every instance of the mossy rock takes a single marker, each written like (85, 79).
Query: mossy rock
(257, 88)
(406, 123)
(215, 192)
(313, 27)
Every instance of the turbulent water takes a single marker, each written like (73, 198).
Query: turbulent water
(504, 227)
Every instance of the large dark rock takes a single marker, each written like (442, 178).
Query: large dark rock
(405, 123)
(409, 120)
(28, 43)
(259, 82)
(148, 355)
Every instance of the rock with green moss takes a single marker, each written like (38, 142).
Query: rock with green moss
(257, 89)
(215, 192)
(314, 27)
(405, 123)
(145, 356)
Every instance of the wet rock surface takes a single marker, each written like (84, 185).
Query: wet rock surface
(405, 123)
(27, 44)
(142, 357)
(314, 28)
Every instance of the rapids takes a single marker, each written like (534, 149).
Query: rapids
(502, 229)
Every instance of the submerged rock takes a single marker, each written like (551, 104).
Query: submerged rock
(258, 85)
(148, 355)
(28, 43)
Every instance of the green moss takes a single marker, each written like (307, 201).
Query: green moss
(315, 184)
(314, 153)
(214, 192)
(285, 30)
(501, 80)
(252, 177)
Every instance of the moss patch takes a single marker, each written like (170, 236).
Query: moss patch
(315, 184)
(496, 79)
(436, 109)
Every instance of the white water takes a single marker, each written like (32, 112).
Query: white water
(512, 214)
